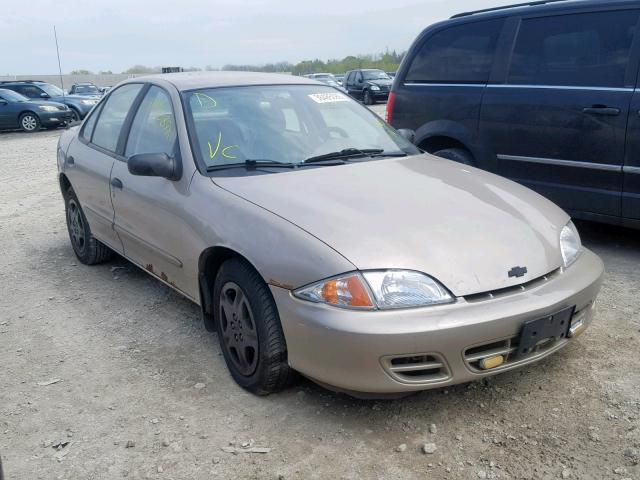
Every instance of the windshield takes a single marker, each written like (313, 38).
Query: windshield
(284, 123)
(375, 75)
(51, 90)
(86, 89)
(11, 96)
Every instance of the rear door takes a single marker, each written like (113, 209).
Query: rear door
(8, 115)
(558, 121)
(90, 159)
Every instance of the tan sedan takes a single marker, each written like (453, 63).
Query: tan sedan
(319, 240)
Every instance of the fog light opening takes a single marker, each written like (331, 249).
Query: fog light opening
(491, 362)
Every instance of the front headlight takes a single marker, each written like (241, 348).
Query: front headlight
(382, 289)
(570, 244)
(48, 108)
(89, 102)
(375, 88)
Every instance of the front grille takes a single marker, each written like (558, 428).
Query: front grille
(507, 348)
(523, 287)
(416, 368)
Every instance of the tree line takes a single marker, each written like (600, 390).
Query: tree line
(387, 61)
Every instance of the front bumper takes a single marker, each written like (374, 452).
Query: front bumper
(50, 119)
(380, 95)
(375, 352)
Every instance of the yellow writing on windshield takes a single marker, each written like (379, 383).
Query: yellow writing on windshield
(213, 152)
(166, 123)
(205, 100)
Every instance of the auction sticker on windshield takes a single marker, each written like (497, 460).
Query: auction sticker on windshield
(328, 97)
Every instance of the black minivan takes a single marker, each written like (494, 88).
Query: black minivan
(544, 93)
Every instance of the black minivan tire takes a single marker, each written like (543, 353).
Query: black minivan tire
(367, 98)
(249, 329)
(87, 248)
(459, 155)
(29, 122)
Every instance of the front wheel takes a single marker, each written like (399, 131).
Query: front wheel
(249, 330)
(29, 122)
(367, 98)
(75, 116)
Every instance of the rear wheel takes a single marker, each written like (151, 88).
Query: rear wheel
(87, 248)
(459, 155)
(249, 330)
(367, 98)
(29, 122)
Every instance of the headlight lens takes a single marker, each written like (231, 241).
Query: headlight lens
(383, 289)
(570, 244)
(375, 88)
(48, 108)
(89, 102)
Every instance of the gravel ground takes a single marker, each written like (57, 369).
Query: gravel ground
(108, 374)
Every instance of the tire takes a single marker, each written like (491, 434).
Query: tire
(87, 248)
(29, 122)
(75, 115)
(249, 329)
(367, 98)
(459, 155)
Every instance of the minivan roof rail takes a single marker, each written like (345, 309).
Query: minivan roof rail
(504, 7)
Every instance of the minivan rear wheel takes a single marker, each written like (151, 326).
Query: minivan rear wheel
(459, 155)
(249, 329)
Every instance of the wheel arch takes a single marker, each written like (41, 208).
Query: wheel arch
(209, 263)
(65, 184)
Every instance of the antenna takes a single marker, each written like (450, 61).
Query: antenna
(55, 34)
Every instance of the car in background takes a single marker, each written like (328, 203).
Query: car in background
(339, 79)
(543, 94)
(18, 111)
(321, 77)
(368, 84)
(392, 75)
(104, 90)
(85, 90)
(79, 105)
(315, 258)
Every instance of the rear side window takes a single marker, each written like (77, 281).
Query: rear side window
(461, 54)
(587, 49)
(114, 112)
(30, 91)
(154, 128)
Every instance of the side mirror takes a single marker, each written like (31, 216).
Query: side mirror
(44, 95)
(153, 165)
(407, 134)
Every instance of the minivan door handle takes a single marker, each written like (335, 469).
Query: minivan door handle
(601, 110)
(116, 183)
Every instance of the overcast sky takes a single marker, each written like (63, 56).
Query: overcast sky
(116, 34)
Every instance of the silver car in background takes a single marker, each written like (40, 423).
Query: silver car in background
(319, 240)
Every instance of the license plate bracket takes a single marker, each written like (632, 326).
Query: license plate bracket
(543, 329)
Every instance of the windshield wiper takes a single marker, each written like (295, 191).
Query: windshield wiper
(345, 153)
(251, 165)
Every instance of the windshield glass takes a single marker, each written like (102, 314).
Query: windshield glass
(375, 75)
(11, 96)
(51, 90)
(86, 89)
(284, 123)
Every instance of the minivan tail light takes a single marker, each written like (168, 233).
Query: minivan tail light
(390, 102)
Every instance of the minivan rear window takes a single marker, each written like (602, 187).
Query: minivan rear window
(460, 54)
(586, 49)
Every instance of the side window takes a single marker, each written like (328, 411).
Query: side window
(30, 91)
(461, 54)
(153, 129)
(90, 123)
(114, 112)
(587, 49)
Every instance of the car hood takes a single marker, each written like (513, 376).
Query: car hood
(463, 226)
(58, 105)
(74, 96)
(380, 83)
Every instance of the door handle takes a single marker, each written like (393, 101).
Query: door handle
(601, 110)
(116, 183)
(70, 160)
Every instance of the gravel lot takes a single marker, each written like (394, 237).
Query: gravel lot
(114, 363)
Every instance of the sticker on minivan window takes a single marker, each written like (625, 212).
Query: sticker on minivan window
(328, 97)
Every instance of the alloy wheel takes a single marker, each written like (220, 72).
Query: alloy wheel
(76, 225)
(240, 337)
(29, 123)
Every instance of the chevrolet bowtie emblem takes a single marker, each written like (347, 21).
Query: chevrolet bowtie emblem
(517, 272)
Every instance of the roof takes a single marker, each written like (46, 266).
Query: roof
(194, 80)
(544, 5)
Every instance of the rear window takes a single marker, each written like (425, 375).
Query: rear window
(587, 49)
(461, 54)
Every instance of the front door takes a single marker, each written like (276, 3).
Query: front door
(558, 123)
(631, 170)
(148, 210)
